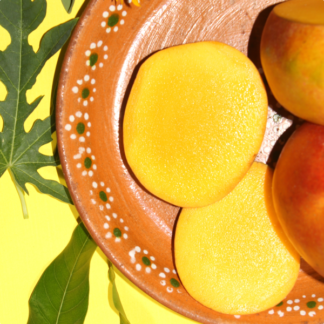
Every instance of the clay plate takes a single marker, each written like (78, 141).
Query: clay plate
(133, 228)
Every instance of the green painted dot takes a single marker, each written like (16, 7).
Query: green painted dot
(117, 232)
(93, 59)
(146, 261)
(277, 118)
(80, 128)
(103, 196)
(113, 20)
(311, 304)
(280, 304)
(174, 282)
(85, 93)
(87, 162)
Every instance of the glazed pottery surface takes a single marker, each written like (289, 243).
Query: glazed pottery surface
(133, 228)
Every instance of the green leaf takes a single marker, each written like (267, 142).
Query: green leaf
(115, 296)
(68, 5)
(62, 293)
(19, 67)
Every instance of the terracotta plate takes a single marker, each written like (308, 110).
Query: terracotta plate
(133, 228)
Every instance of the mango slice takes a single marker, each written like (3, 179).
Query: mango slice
(194, 122)
(233, 256)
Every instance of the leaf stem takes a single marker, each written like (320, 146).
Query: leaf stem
(21, 195)
(115, 296)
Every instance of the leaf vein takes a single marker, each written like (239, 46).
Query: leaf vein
(49, 188)
(9, 20)
(45, 163)
(41, 62)
(48, 297)
(75, 306)
(39, 12)
(4, 111)
(76, 261)
(8, 78)
(28, 147)
(18, 91)
(41, 310)
(4, 157)
(82, 281)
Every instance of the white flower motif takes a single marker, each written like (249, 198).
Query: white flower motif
(96, 55)
(113, 18)
(85, 89)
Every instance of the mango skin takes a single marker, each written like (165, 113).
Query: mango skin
(292, 57)
(194, 122)
(298, 193)
(233, 255)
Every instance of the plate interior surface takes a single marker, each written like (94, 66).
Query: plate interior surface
(132, 227)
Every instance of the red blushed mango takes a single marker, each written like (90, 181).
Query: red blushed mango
(298, 193)
(292, 56)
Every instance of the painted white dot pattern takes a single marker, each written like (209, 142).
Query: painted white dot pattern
(169, 289)
(85, 95)
(280, 313)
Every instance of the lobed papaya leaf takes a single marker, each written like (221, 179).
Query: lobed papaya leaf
(19, 67)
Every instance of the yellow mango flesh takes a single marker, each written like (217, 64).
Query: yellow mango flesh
(233, 256)
(194, 121)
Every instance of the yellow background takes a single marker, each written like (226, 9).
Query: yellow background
(27, 247)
